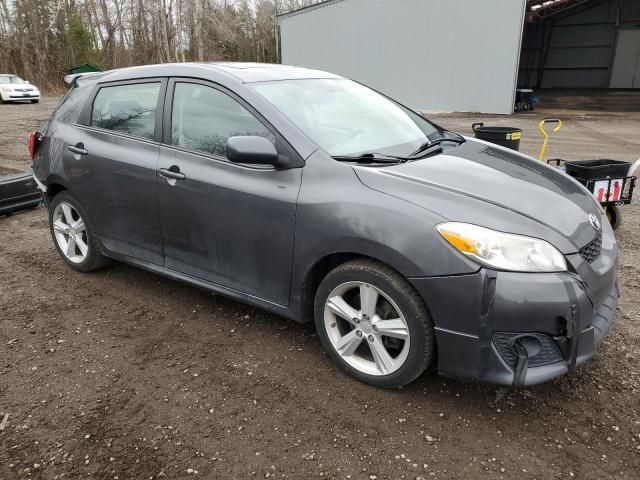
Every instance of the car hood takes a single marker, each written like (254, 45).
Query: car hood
(488, 185)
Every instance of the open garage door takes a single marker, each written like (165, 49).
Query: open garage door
(570, 44)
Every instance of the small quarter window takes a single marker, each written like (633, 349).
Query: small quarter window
(204, 118)
(129, 109)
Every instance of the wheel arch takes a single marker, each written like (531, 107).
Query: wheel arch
(318, 269)
(55, 185)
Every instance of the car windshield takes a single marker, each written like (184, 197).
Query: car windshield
(4, 79)
(346, 118)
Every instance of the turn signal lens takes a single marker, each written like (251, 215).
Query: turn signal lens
(462, 243)
(503, 251)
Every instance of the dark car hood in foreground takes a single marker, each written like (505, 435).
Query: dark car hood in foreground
(497, 188)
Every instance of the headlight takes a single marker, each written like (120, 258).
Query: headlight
(503, 251)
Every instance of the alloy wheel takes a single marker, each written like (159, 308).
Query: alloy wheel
(366, 328)
(70, 232)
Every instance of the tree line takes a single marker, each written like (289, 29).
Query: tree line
(41, 39)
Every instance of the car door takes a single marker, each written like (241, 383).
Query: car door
(228, 224)
(112, 154)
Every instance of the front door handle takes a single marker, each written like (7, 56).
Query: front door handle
(172, 173)
(78, 149)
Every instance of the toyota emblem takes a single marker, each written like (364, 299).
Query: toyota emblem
(595, 223)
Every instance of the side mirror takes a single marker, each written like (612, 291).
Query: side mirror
(252, 150)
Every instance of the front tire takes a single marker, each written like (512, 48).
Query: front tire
(73, 235)
(373, 324)
(35, 101)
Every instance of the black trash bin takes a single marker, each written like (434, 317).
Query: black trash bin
(505, 136)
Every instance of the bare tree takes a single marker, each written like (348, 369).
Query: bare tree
(41, 39)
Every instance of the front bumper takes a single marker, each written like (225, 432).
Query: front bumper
(20, 96)
(520, 329)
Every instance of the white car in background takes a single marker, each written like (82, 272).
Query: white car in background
(13, 88)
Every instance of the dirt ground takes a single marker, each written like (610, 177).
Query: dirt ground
(122, 374)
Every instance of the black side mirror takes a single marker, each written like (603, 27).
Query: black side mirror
(252, 150)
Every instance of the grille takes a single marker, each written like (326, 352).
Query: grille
(591, 250)
(548, 353)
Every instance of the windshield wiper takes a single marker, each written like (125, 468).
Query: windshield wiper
(372, 158)
(432, 143)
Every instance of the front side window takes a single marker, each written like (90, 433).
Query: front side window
(346, 118)
(203, 119)
(129, 109)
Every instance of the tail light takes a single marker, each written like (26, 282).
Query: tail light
(34, 141)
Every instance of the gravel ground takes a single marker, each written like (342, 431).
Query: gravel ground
(122, 374)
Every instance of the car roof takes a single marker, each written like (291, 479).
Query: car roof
(265, 72)
(232, 71)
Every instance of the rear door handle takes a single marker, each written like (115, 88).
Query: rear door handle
(78, 149)
(172, 174)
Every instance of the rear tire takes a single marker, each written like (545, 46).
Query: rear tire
(358, 345)
(73, 235)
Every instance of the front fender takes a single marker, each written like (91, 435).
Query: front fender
(337, 214)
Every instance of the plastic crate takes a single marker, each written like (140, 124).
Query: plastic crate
(611, 187)
(597, 169)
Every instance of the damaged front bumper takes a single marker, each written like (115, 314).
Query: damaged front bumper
(520, 329)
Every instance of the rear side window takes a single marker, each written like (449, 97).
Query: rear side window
(67, 110)
(129, 109)
(204, 118)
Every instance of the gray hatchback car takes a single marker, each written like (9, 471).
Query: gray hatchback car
(319, 199)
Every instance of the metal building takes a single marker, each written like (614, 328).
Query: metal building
(437, 55)
(468, 55)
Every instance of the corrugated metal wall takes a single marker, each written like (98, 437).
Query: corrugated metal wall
(576, 48)
(440, 55)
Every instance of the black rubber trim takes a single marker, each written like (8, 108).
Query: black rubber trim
(484, 337)
(520, 374)
(573, 332)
